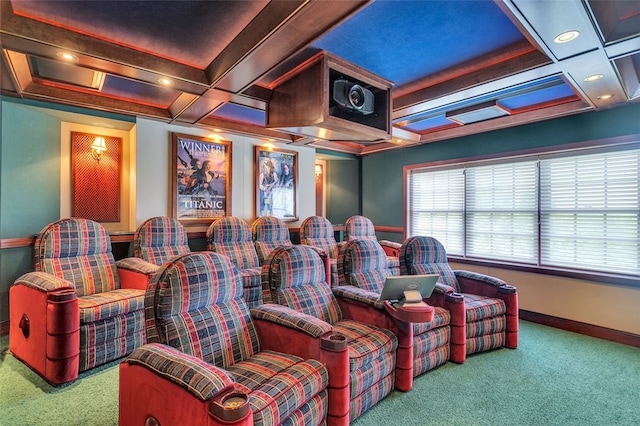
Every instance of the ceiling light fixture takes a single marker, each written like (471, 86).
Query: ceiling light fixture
(566, 36)
(66, 56)
(605, 97)
(593, 77)
(475, 113)
(165, 81)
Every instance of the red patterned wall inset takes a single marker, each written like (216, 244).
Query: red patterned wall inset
(95, 184)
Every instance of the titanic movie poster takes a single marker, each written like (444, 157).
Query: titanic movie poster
(201, 178)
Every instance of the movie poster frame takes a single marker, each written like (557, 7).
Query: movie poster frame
(210, 149)
(276, 155)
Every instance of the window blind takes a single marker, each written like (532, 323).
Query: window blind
(589, 208)
(437, 207)
(501, 212)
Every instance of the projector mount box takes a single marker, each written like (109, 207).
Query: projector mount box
(331, 99)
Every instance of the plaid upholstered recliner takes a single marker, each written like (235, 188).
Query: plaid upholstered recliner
(208, 352)
(363, 263)
(361, 228)
(160, 239)
(79, 309)
(317, 231)
(296, 276)
(268, 233)
(231, 236)
(484, 309)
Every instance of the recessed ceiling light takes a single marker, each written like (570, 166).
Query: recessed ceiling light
(566, 36)
(66, 56)
(593, 77)
(605, 97)
(165, 81)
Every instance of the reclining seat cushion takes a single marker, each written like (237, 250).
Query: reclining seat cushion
(100, 306)
(269, 232)
(278, 384)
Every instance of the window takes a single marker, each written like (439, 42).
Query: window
(577, 210)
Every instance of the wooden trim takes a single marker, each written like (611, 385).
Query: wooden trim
(392, 229)
(7, 243)
(604, 333)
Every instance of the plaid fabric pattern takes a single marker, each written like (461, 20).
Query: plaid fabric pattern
(370, 374)
(363, 263)
(194, 303)
(430, 360)
(485, 342)
(160, 238)
(314, 412)
(136, 264)
(286, 316)
(441, 317)
(366, 343)
(97, 307)
(194, 375)
(268, 233)
(496, 282)
(486, 326)
(370, 397)
(231, 236)
(431, 340)
(252, 286)
(43, 281)
(317, 231)
(359, 227)
(426, 255)
(79, 251)
(278, 384)
(361, 295)
(480, 307)
(295, 275)
(107, 340)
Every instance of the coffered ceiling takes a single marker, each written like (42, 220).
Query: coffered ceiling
(457, 67)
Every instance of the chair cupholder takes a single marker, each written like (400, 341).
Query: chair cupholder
(334, 342)
(454, 297)
(230, 406)
(506, 288)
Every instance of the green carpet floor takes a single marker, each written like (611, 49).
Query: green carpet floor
(553, 378)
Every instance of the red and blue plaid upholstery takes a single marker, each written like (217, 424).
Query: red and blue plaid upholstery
(317, 231)
(363, 264)
(111, 319)
(485, 317)
(159, 239)
(296, 277)
(359, 227)
(232, 237)
(268, 233)
(79, 251)
(194, 304)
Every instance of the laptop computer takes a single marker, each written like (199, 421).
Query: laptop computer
(409, 288)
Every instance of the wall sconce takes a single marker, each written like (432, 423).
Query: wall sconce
(318, 171)
(98, 147)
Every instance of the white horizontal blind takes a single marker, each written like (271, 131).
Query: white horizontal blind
(590, 212)
(436, 207)
(501, 212)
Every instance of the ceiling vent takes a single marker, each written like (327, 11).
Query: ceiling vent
(328, 98)
(475, 113)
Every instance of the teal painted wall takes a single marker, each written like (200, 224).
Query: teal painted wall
(343, 190)
(29, 186)
(382, 174)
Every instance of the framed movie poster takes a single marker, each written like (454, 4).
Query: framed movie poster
(276, 182)
(201, 178)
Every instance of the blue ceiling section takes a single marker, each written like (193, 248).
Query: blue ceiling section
(240, 113)
(428, 36)
(147, 93)
(513, 98)
(547, 94)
